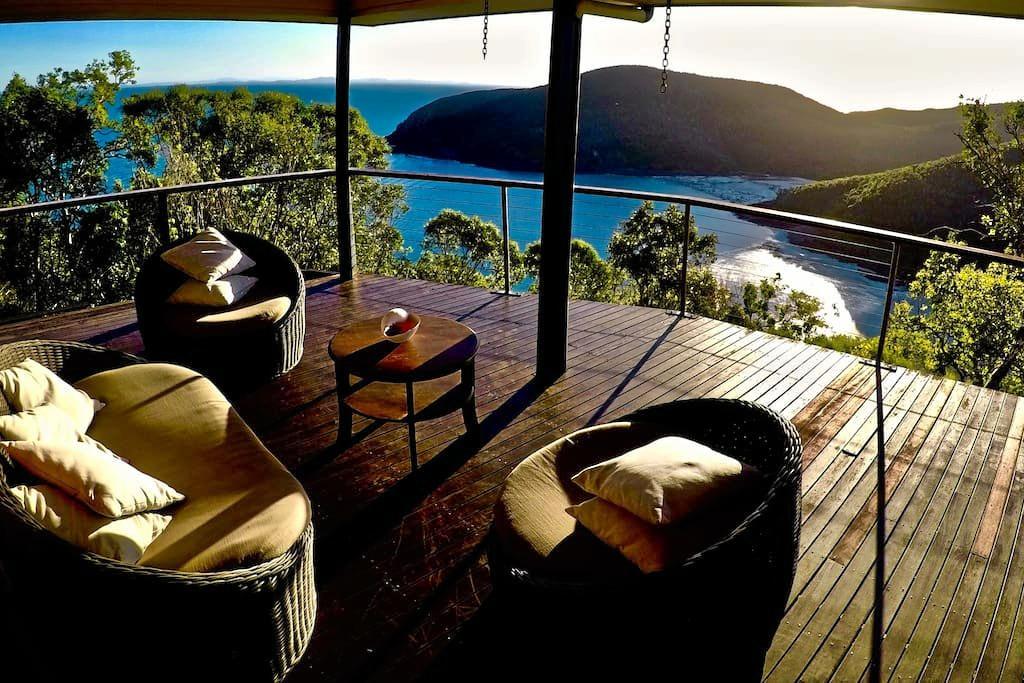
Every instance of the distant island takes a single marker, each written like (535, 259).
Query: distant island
(702, 125)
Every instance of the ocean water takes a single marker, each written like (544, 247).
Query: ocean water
(852, 297)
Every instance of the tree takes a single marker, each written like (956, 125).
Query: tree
(771, 306)
(967, 319)
(648, 247)
(466, 250)
(591, 278)
(186, 134)
(56, 140)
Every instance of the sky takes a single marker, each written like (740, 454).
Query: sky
(848, 58)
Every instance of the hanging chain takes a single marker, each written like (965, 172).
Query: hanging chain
(665, 48)
(487, 11)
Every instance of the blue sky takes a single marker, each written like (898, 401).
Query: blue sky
(847, 58)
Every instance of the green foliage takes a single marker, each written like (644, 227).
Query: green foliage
(966, 320)
(466, 250)
(647, 247)
(201, 134)
(591, 278)
(995, 158)
(773, 307)
(56, 139)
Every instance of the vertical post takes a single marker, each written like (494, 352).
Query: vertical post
(560, 131)
(686, 263)
(877, 622)
(343, 193)
(163, 219)
(505, 236)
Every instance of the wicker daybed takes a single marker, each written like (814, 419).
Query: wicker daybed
(716, 611)
(225, 593)
(257, 338)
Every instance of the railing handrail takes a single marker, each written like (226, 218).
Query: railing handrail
(855, 229)
(847, 228)
(146, 192)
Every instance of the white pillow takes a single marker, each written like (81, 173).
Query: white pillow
(667, 480)
(124, 539)
(208, 257)
(29, 385)
(223, 292)
(107, 486)
(46, 423)
(42, 423)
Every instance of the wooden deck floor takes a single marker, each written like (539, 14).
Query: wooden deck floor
(400, 563)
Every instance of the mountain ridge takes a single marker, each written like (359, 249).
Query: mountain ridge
(702, 125)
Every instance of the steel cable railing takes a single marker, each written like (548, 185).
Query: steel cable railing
(866, 248)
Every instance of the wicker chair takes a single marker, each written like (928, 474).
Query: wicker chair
(721, 606)
(246, 354)
(251, 623)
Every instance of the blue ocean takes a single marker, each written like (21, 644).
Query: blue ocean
(852, 297)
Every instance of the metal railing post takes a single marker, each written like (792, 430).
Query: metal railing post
(685, 256)
(877, 622)
(163, 219)
(505, 237)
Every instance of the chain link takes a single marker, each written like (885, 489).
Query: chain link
(487, 12)
(665, 47)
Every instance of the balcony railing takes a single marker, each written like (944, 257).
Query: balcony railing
(873, 251)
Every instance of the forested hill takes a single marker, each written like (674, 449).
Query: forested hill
(702, 125)
(917, 199)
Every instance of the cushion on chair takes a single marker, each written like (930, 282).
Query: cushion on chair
(531, 523)
(532, 526)
(260, 309)
(124, 539)
(223, 292)
(241, 507)
(208, 257)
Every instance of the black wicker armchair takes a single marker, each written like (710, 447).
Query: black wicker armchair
(717, 610)
(74, 615)
(242, 342)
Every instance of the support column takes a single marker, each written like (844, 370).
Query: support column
(560, 132)
(343, 193)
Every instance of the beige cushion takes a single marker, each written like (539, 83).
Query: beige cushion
(223, 292)
(42, 423)
(647, 546)
(28, 385)
(532, 526)
(256, 312)
(105, 485)
(666, 480)
(208, 257)
(45, 423)
(123, 539)
(241, 506)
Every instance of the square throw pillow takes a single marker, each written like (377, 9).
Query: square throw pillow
(645, 545)
(668, 479)
(42, 423)
(124, 539)
(208, 257)
(29, 385)
(223, 292)
(46, 423)
(650, 547)
(108, 486)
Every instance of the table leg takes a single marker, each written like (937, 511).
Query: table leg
(469, 408)
(411, 417)
(341, 379)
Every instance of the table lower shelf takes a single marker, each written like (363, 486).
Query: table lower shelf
(387, 401)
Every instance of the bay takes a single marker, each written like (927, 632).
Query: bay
(852, 296)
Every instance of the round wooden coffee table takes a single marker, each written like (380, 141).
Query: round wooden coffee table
(427, 377)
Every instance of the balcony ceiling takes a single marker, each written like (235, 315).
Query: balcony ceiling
(379, 12)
